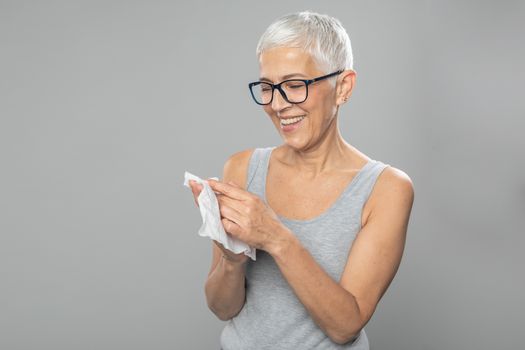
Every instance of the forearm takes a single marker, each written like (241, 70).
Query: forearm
(225, 290)
(333, 308)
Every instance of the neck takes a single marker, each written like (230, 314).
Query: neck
(329, 153)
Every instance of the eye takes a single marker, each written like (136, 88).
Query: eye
(294, 85)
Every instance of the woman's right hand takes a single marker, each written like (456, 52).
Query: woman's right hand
(240, 258)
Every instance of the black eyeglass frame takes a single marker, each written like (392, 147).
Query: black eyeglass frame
(283, 94)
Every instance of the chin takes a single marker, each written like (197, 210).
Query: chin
(294, 143)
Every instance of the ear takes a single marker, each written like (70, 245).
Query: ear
(345, 85)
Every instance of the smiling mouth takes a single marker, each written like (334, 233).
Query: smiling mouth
(291, 121)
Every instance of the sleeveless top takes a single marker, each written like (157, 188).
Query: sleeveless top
(273, 316)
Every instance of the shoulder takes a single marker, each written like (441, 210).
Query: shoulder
(395, 179)
(236, 167)
(393, 185)
(393, 191)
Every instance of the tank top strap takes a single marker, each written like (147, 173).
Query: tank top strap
(257, 170)
(367, 179)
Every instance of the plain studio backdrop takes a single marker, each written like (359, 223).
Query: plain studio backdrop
(105, 104)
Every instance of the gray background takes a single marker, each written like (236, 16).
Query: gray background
(104, 105)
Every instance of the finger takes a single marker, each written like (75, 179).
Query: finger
(230, 227)
(235, 204)
(208, 181)
(191, 183)
(229, 190)
(230, 213)
(195, 190)
(195, 196)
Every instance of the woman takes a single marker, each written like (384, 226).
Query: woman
(329, 223)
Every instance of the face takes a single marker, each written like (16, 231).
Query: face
(321, 106)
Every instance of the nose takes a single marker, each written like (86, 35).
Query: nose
(278, 101)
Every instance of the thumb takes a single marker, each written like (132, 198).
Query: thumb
(233, 184)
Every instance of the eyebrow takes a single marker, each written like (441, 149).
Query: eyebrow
(285, 76)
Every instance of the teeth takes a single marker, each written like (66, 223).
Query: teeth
(291, 120)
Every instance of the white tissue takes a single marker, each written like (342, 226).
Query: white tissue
(211, 218)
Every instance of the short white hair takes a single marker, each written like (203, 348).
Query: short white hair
(322, 36)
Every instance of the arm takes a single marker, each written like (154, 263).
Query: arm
(341, 309)
(225, 285)
(225, 289)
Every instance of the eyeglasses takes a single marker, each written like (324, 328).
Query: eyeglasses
(292, 90)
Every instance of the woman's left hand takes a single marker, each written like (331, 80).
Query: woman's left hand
(245, 216)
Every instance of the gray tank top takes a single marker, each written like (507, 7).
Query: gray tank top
(273, 317)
